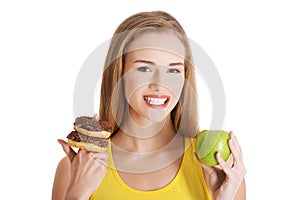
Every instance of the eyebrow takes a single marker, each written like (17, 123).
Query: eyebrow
(153, 63)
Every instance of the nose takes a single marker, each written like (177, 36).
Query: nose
(156, 81)
(155, 86)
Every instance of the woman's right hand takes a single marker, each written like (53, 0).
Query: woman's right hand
(87, 171)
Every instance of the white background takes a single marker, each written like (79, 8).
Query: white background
(254, 45)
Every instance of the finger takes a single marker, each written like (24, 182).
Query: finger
(67, 149)
(208, 169)
(235, 148)
(236, 142)
(101, 156)
(224, 165)
(234, 139)
(96, 117)
(102, 162)
(230, 161)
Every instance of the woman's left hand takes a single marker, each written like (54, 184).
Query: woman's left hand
(226, 179)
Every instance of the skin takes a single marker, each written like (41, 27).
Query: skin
(226, 181)
(150, 61)
(79, 174)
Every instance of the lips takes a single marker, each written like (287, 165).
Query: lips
(156, 101)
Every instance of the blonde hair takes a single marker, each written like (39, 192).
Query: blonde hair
(185, 114)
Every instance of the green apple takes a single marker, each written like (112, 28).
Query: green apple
(209, 142)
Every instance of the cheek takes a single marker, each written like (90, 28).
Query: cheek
(132, 82)
(135, 98)
(174, 83)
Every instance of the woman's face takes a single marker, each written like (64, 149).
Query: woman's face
(153, 76)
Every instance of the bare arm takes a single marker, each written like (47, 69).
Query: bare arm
(241, 193)
(79, 174)
(62, 179)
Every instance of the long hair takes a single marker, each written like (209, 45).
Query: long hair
(184, 116)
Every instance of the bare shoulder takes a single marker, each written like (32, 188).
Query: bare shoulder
(62, 178)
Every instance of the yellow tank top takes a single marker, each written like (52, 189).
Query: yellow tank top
(188, 184)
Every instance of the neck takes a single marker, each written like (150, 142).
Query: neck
(155, 136)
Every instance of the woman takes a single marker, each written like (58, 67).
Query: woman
(148, 94)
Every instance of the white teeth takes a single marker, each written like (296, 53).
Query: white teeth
(155, 101)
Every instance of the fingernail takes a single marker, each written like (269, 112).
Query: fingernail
(59, 141)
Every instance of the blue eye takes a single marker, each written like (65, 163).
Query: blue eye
(173, 70)
(144, 69)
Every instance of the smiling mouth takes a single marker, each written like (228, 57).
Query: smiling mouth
(157, 101)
